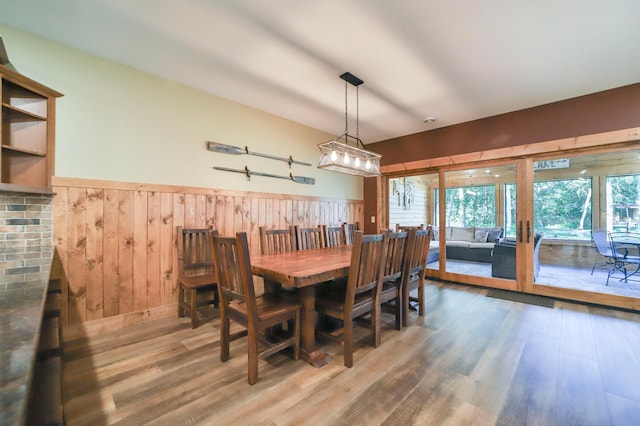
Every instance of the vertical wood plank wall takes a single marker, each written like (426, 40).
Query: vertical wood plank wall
(116, 241)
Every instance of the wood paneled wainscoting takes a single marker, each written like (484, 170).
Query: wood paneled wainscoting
(116, 241)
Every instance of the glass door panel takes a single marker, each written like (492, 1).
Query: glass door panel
(583, 205)
(479, 227)
(413, 202)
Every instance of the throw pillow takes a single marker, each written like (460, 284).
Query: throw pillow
(462, 234)
(481, 235)
(494, 235)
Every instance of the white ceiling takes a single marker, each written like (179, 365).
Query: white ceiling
(456, 60)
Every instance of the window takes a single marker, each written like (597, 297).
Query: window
(470, 206)
(562, 208)
(623, 203)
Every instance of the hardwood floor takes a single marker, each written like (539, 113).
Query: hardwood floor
(471, 360)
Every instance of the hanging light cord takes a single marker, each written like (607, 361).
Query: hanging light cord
(346, 116)
(358, 116)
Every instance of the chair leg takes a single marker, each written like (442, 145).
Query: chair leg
(296, 331)
(253, 359)
(224, 334)
(180, 300)
(405, 307)
(348, 342)
(421, 299)
(216, 298)
(375, 324)
(193, 307)
(399, 311)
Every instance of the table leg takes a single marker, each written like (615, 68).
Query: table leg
(309, 352)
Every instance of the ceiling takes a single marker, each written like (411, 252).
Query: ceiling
(455, 60)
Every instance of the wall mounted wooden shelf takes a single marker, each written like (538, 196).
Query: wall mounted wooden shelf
(27, 157)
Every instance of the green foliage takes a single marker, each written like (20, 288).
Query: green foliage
(562, 205)
(562, 208)
(471, 206)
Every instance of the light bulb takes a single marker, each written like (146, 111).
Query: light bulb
(347, 160)
(367, 165)
(334, 155)
(357, 162)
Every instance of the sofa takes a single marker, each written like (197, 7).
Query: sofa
(503, 263)
(469, 243)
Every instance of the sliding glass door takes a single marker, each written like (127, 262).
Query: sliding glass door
(478, 230)
(584, 207)
(566, 226)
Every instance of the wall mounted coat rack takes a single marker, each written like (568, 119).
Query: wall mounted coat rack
(249, 173)
(236, 150)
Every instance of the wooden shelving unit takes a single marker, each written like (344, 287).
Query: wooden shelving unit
(27, 156)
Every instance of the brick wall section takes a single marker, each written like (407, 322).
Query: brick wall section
(26, 237)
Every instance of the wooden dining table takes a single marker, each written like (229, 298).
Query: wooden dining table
(304, 270)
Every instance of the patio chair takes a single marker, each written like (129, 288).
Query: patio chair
(625, 250)
(602, 239)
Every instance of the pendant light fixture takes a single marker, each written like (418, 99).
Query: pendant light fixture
(346, 153)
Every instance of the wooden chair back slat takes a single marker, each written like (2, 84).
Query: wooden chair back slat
(420, 250)
(396, 255)
(273, 241)
(405, 228)
(334, 236)
(230, 271)
(310, 238)
(194, 251)
(350, 231)
(365, 272)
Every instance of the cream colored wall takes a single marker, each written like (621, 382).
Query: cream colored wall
(117, 123)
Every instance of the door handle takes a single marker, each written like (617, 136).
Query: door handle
(520, 231)
(528, 231)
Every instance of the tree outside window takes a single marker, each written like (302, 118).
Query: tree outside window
(470, 206)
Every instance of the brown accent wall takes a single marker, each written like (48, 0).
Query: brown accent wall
(595, 113)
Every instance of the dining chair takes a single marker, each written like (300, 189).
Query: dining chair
(334, 236)
(196, 275)
(350, 231)
(274, 241)
(256, 314)
(310, 238)
(415, 268)
(359, 296)
(393, 278)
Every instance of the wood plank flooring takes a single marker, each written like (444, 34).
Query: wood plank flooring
(472, 360)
